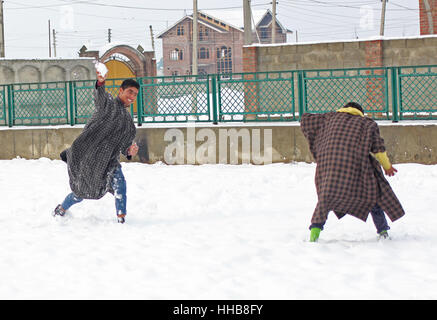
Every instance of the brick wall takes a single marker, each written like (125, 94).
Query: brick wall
(424, 17)
(350, 54)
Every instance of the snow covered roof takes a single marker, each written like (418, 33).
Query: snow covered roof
(233, 18)
(190, 18)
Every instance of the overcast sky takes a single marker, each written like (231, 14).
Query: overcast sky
(80, 23)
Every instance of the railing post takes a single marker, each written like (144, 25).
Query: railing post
(140, 104)
(10, 106)
(71, 92)
(300, 89)
(394, 88)
(214, 99)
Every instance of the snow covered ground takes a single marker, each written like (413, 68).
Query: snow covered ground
(209, 232)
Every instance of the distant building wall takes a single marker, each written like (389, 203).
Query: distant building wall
(350, 54)
(172, 40)
(40, 70)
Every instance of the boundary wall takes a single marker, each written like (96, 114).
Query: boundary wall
(409, 142)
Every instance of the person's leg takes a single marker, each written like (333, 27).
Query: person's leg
(119, 187)
(379, 219)
(318, 220)
(315, 229)
(69, 200)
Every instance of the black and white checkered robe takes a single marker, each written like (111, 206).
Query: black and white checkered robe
(94, 155)
(348, 179)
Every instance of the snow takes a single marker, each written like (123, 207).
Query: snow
(101, 68)
(235, 17)
(209, 232)
(371, 38)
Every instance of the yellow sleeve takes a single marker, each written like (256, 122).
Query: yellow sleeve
(383, 160)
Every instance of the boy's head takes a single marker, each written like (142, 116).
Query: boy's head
(128, 91)
(354, 105)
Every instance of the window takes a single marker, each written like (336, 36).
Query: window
(203, 33)
(176, 54)
(203, 53)
(223, 52)
(264, 33)
(180, 30)
(224, 60)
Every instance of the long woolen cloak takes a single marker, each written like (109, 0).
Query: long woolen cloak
(94, 155)
(348, 178)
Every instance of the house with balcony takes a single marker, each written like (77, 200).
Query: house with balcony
(220, 41)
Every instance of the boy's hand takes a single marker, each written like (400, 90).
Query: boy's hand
(390, 172)
(100, 78)
(132, 150)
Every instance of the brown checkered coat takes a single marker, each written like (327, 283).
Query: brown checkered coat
(348, 179)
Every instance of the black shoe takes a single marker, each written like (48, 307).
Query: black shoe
(120, 218)
(59, 211)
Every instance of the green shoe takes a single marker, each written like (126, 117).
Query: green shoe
(314, 236)
(383, 235)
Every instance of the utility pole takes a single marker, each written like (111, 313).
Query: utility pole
(2, 32)
(247, 22)
(274, 22)
(109, 35)
(430, 18)
(50, 41)
(54, 43)
(194, 66)
(153, 40)
(381, 30)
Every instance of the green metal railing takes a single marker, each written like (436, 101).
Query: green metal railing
(327, 90)
(39, 103)
(174, 99)
(261, 96)
(418, 92)
(386, 93)
(82, 98)
(3, 103)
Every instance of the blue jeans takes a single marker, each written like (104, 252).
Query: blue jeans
(118, 185)
(378, 219)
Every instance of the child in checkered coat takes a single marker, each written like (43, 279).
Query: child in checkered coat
(349, 152)
(93, 159)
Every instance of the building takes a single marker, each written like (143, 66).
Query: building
(220, 41)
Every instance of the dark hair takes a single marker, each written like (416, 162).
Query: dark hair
(354, 105)
(130, 83)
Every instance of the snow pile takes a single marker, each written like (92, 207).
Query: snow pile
(209, 232)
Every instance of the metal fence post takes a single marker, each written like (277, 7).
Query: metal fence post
(140, 104)
(300, 89)
(71, 92)
(394, 88)
(214, 99)
(10, 106)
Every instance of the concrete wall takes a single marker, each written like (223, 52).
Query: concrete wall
(415, 143)
(36, 70)
(351, 54)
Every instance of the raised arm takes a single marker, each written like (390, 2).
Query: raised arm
(101, 97)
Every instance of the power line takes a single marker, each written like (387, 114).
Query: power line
(124, 6)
